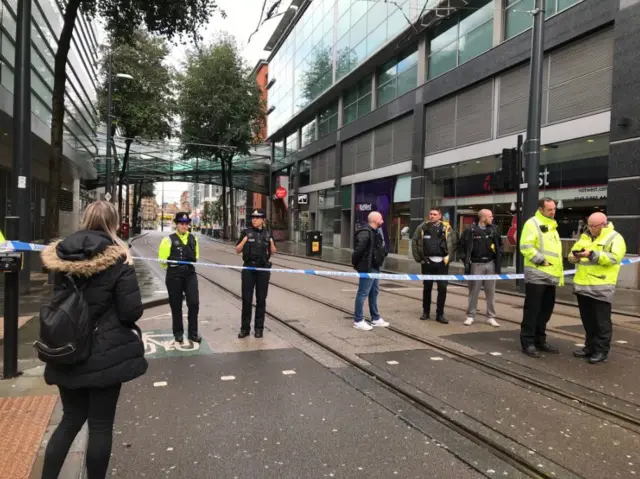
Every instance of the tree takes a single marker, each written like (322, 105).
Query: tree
(143, 107)
(221, 109)
(122, 18)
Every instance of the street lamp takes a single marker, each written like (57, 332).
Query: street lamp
(108, 196)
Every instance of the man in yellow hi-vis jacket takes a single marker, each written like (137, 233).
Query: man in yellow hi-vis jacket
(598, 254)
(541, 249)
(181, 277)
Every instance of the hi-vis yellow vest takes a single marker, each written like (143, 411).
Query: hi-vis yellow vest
(2, 240)
(540, 243)
(597, 276)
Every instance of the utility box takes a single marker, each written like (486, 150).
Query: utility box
(314, 243)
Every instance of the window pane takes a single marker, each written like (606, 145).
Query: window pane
(376, 38)
(387, 72)
(517, 19)
(476, 19)
(386, 92)
(408, 81)
(476, 42)
(350, 113)
(364, 105)
(444, 39)
(443, 61)
(408, 62)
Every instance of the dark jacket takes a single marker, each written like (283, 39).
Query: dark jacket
(113, 296)
(465, 249)
(365, 248)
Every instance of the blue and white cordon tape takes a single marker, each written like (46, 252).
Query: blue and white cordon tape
(9, 246)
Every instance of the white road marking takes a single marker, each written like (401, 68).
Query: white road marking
(159, 384)
(620, 341)
(228, 378)
(436, 358)
(579, 345)
(288, 372)
(495, 353)
(393, 362)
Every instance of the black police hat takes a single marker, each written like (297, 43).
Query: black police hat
(182, 217)
(258, 213)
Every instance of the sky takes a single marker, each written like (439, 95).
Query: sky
(241, 22)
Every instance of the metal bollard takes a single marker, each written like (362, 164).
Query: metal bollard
(12, 264)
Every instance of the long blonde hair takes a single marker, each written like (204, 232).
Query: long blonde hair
(103, 216)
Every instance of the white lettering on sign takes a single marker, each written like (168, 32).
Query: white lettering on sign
(364, 207)
(166, 342)
(303, 199)
(543, 178)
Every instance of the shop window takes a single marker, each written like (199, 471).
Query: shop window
(305, 172)
(397, 77)
(460, 38)
(309, 133)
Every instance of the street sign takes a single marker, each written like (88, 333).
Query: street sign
(281, 192)
(107, 197)
(10, 262)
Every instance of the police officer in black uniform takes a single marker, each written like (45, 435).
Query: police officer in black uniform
(181, 277)
(256, 245)
(432, 243)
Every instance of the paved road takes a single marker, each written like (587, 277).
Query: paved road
(212, 415)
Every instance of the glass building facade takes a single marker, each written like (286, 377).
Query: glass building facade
(82, 76)
(331, 38)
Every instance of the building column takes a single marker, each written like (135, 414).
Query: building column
(623, 195)
(337, 222)
(423, 64)
(498, 21)
(374, 90)
(417, 169)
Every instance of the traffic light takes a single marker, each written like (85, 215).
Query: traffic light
(510, 177)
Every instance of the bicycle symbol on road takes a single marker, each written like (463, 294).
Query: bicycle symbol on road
(163, 344)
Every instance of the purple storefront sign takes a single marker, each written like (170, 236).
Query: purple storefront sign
(374, 196)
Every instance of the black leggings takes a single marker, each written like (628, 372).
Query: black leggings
(98, 406)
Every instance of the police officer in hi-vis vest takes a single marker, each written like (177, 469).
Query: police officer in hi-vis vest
(181, 278)
(256, 245)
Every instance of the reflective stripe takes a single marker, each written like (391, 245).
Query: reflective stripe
(526, 246)
(601, 292)
(537, 276)
(610, 239)
(612, 258)
(541, 240)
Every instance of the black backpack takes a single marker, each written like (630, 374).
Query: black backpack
(65, 327)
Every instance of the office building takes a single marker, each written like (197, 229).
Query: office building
(370, 111)
(80, 118)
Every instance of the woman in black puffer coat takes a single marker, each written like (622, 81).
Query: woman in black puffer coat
(90, 390)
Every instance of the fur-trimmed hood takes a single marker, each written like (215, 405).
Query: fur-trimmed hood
(84, 253)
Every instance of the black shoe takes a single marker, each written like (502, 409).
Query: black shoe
(243, 334)
(547, 348)
(582, 354)
(179, 339)
(598, 358)
(258, 334)
(425, 316)
(531, 351)
(441, 319)
(196, 338)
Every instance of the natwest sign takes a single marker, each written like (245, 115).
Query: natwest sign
(364, 207)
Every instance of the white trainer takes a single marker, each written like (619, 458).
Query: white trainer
(380, 323)
(468, 322)
(493, 322)
(363, 325)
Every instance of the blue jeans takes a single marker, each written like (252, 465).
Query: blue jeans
(368, 288)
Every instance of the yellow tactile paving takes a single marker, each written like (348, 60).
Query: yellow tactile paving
(23, 421)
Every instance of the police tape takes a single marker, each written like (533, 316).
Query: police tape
(11, 246)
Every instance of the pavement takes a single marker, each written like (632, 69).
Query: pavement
(31, 410)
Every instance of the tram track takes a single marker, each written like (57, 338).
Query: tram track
(400, 286)
(495, 370)
(502, 452)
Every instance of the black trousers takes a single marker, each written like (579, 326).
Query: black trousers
(183, 281)
(596, 319)
(539, 301)
(98, 406)
(434, 268)
(258, 280)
